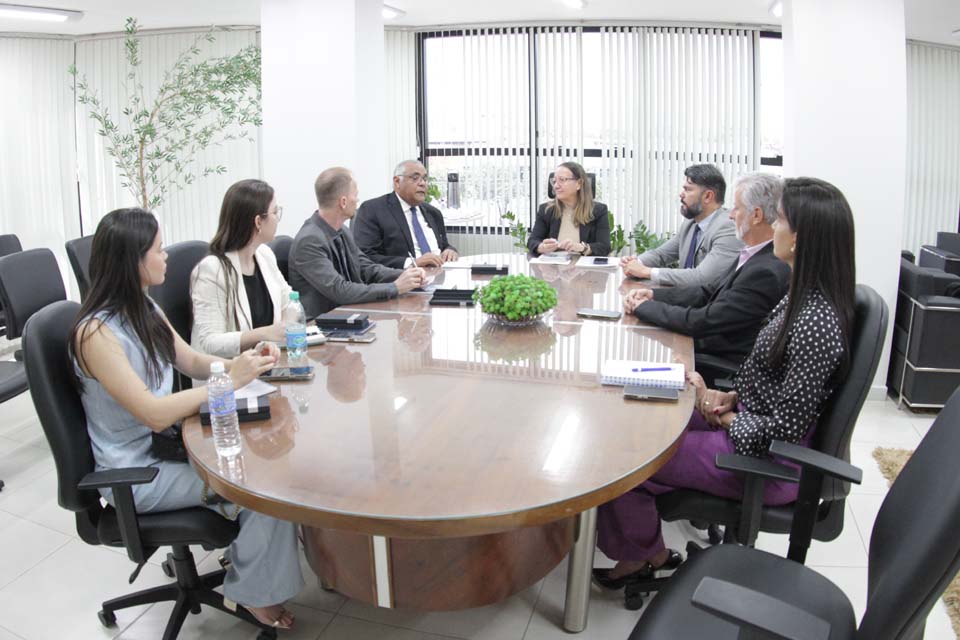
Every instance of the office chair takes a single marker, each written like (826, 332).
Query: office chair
(61, 414)
(281, 249)
(9, 243)
(593, 185)
(744, 519)
(730, 591)
(78, 251)
(173, 295)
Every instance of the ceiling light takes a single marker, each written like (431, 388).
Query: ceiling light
(42, 14)
(391, 13)
(575, 4)
(776, 9)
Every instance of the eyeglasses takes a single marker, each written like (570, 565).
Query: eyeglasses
(558, 180)
(416, 177)
(278, 212)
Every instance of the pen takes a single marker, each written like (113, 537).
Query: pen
(642, 369)
(412, 257)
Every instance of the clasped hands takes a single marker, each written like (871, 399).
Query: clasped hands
(550, 245)
(635, 268)
(635, 298)
(436, 259)
(718, 408)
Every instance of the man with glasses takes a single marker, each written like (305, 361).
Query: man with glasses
(705, 247)
(400, 229)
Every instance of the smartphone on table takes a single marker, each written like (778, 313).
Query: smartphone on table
(287, 373)
(602, 314)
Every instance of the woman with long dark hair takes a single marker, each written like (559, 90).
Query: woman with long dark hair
(238, 291)
(124, 352)
(573, 220)
(799, 357)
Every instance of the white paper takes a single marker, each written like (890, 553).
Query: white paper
(457, 264)
(255, 389)
(590, 262)
(551, 258)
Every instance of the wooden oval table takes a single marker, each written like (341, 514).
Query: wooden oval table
(452, 463)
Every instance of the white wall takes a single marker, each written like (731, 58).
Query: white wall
(845, 86)
(323, 98)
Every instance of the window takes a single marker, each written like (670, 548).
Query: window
(771, 101)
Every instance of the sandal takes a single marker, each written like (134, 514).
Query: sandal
(230, 605)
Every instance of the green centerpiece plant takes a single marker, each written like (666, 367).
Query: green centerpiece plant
(516, 298)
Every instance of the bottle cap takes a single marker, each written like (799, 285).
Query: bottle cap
(294, 295)
(216, 367)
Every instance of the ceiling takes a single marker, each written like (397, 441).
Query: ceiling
(929, 20)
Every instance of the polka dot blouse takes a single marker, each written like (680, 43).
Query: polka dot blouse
(783, 403)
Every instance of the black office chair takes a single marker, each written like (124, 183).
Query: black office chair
(552, 195)
(64, 423)
(78, 251)
(9, 243)
(730, 591)
(13, 382)
(281, 248)
(173, 295)
(744, 519)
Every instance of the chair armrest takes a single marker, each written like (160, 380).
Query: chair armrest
(811, 458)
(938, 302)
(113, 478)
(761, 467)
(763, 615)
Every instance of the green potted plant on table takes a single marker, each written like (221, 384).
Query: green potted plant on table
(516, 300)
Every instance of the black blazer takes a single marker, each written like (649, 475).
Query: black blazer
(596, 233)
(724, 322)
(381, 230)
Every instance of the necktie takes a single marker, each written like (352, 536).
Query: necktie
(692, 252)
(341, 265)
(418, 232)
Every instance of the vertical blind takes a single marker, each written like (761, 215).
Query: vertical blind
(633, 105)
(400, 51)
(38, 192)
(188, 214)
(933, 143)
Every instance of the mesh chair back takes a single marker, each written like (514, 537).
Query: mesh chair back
(173, 295)
(281, 249)
(78, 251)
(29, 281)
(49, 374)
(914, 547)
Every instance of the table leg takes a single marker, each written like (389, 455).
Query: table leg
(577, 602)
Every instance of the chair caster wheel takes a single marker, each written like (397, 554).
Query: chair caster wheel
(633, 601)
(714, 534)
(267, 635)
(107, 618)
(167, 566)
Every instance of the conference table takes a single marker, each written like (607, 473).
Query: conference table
(452, 462)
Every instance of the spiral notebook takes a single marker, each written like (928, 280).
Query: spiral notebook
(664, 375)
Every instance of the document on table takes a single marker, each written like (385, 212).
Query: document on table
(255, 389)
(552, 258)
(457, 264)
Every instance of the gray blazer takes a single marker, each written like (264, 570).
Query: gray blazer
(717, 251)
(321, 286)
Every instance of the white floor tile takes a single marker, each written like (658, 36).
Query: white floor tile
(861, 455)
(505, 620)
(22, 463)
(846, 551)
(211, 624)
(23, 545)
(883, 426)
(8, 635)
(346, 628)
(865, 508)
(938, 624)
(607, 618)
(36, 501)
(59, 598)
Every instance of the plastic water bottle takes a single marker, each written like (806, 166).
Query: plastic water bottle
(295, 321)
(223, 412)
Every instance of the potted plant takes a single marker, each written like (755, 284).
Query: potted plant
(618, 239)
(155, 139)
(517, 230)
(644, 240)
(516, 300)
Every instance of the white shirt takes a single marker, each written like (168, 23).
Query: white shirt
(427, 231)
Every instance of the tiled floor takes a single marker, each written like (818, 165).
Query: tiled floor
(51, 583)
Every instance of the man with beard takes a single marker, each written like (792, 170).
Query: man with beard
(725, 322)
(706, 245)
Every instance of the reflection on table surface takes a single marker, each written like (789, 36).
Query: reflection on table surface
(446, 417)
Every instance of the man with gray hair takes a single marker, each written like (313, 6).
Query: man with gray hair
(400, 229)
(326, 266)
(725, 321)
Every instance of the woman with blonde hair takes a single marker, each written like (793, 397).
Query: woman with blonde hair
(572, 221)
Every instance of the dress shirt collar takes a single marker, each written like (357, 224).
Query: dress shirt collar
(405, 205)
(748, 252)
(706, 222)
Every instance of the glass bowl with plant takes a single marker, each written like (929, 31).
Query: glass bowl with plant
(516, 300)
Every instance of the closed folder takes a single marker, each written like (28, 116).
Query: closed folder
(248, 410)
(489, 270)
(342, 320)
